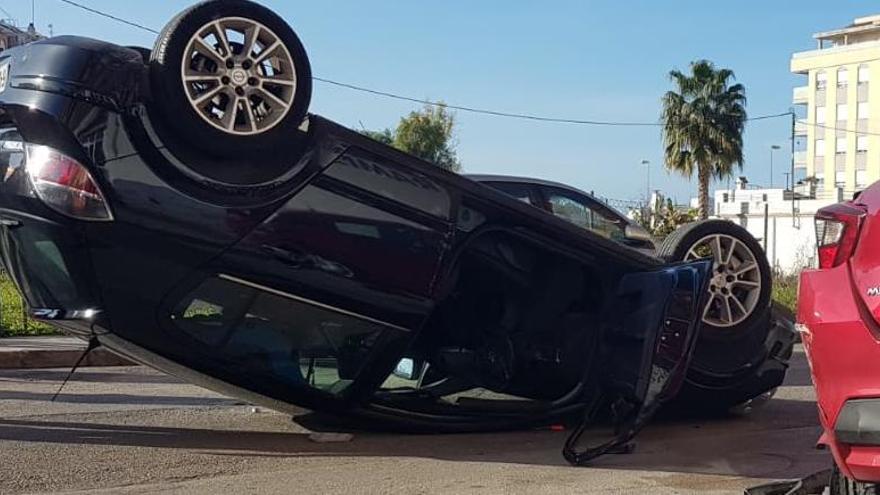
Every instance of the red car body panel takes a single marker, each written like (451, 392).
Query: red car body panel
(838, 322)
(865, 263)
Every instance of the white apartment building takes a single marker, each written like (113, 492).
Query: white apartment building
(837, 145)
(838, 136)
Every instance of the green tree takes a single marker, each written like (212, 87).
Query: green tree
(703, 123)
(668, 218)
(384, 136)
(427, 133)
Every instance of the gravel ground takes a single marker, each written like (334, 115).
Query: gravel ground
(133, 430)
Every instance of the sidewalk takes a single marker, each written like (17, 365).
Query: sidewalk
(52, 352)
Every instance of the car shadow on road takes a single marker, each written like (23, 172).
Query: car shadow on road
(798, 374)
(120, 375)
(769, 444)
(118, 399)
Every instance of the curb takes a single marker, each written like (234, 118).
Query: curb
(48, 358)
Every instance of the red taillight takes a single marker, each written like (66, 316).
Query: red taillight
(65, 185)
(837, 231)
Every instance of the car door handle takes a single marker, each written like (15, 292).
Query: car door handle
(283, 255)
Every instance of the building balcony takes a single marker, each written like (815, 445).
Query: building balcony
(800, 128)
(803, 62)
(800, 159)
(801, 95)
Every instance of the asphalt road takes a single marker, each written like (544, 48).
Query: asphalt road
(132, 430)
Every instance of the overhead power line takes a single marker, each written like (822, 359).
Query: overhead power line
(482, 110)
(463, 108)
(497, 113)
(110, 16)
(833, 128)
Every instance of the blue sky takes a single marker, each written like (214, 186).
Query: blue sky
(605, 60)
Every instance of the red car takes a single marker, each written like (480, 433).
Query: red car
(839, 320)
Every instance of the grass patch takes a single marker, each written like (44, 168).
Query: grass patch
(14, 321)
(785, 291)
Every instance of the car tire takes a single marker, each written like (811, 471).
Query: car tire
(231, 78)
(733, 336)
(841, 485)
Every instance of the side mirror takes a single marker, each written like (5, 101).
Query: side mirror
(408, 369)
(637, 233)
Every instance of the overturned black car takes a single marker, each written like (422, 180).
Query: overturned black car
(180, 207)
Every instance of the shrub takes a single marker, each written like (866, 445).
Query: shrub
(13, 313)
(785, 291)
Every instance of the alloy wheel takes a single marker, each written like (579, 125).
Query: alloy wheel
(239, 76)
(735, 286)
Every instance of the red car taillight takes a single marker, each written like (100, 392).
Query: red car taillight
(837, 230)
(64, 184)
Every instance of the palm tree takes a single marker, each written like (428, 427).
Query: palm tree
(703, 122)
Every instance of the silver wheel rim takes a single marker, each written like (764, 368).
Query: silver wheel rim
(735, 286)
(238, 76)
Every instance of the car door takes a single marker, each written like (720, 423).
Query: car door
(308, 305)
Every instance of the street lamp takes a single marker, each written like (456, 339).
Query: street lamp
(646, 211)
(772, 149)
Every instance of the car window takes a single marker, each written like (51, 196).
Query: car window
(568, 208)
(584, 212)
(522, 192)
(279, 339)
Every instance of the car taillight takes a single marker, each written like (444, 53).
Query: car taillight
(837, 231)
(64, 184)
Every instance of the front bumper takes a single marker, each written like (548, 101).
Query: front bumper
(843, 355)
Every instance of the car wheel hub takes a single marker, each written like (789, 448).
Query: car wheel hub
(735, 287)
(238, 76)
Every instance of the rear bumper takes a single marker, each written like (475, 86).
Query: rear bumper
(49, 263)
(843, 355)
(752, 387)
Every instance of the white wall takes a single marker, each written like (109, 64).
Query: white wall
(791, 243)
(791, 239)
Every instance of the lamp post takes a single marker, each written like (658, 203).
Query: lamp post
(646, 216)
(772, 149)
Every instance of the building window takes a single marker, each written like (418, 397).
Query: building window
(864, 74)
(862, 144)
(726, 197)
(842, 112)
(861, 179)
(840, 145)
(839, 179)
(842, 77)
(820, 115)
(863, 111)
(821, 80)
(820, 147)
